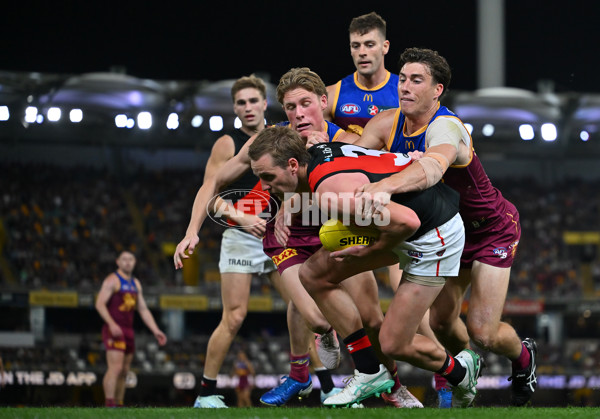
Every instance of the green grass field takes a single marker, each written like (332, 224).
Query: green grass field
(299, 413)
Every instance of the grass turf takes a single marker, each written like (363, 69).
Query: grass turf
(296, 413)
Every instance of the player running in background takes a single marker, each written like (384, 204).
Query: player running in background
(119, 296)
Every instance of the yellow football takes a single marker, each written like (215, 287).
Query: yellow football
(336, 236)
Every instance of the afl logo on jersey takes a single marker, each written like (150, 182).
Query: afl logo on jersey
(373, 110)
(350, 109)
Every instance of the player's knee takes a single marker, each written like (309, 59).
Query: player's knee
(317, 322)
(115, 370)
(439, 324)
(372, 321)
(482, 336)
(233, 319)
(307, 279)
(392, 347)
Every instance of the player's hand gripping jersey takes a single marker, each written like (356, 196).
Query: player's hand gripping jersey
(433, 206)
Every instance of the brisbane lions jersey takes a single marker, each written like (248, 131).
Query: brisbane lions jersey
(433, 206)
(123, 302)
(353, 105)
(482, 206)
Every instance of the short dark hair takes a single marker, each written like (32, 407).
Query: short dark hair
(250, 81)
(300, 77)
(282, 143)
(366, 23)
(124, 251)
(438, 66)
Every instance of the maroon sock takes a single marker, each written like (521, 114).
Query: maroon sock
(440, 382)
(396, 379)
(523, 360)
(299, 367)
(110, 403)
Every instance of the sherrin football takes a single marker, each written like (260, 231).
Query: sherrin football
(336, 236)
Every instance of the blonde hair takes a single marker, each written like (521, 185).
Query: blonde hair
(300, 77)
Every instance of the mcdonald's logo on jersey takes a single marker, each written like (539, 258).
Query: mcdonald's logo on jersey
(409, 145)
(368, 97)
(350, 109)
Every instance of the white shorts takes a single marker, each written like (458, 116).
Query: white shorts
(435, 253)
(243, 253)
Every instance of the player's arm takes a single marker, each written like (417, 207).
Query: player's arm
(109, 287)
(147, 316)
(398, 224)
(348, 137)
(250, 223)
(328, 111)
(377, 131)
(218, 175)
(443, 140)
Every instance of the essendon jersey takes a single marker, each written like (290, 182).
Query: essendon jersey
(433, 206)
(122, 303)
(332, 158)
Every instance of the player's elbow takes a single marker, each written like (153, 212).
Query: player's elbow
(98, 306)
(412, 223)
(215, 184)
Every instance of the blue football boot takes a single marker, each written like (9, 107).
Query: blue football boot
(288, 388)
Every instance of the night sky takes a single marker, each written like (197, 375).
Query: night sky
(202, 40)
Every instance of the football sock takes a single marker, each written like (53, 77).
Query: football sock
(452, 370)
(299, 367)
(522, 362)
(208, 387)
(440, 382)
(325, 379)
(396, 379)
(362, 353)
(110, 402)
